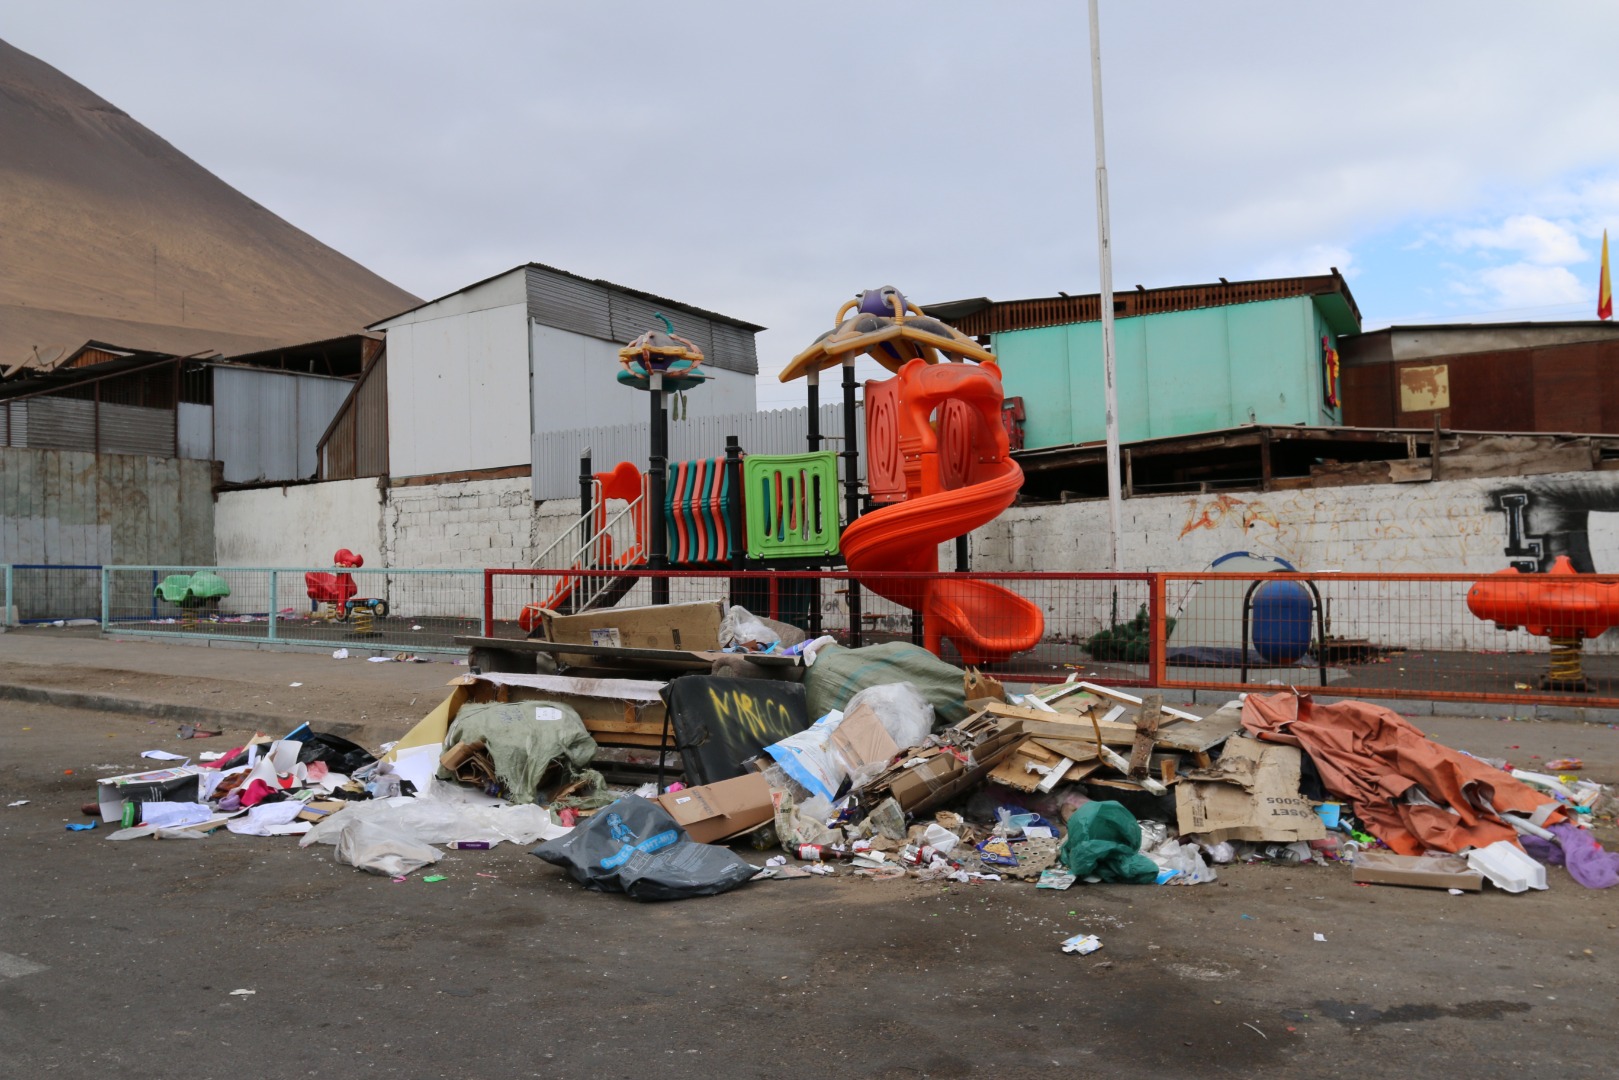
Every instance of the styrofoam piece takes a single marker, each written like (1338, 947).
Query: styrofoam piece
(1507, 867)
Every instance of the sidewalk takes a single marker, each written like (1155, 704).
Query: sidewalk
(371, 703)
(76, 668)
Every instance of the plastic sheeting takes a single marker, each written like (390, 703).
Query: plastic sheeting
(635, 847)
(1408, 791)
(1104, 841)
(839, 674)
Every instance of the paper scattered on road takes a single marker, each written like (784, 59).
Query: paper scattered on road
(19, 802)
(340, 654)
(162, 755)
(380, 659)
(295, 684)
(1321, 937)
(242, 993)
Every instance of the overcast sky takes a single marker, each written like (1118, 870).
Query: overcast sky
(1455, 160)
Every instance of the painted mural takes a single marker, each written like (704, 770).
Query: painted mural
(1567, 514)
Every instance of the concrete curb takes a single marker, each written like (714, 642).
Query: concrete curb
(197, 715)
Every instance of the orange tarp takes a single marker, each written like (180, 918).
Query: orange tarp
(1373, 757)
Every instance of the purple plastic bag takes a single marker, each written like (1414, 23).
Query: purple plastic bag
(1577, 849)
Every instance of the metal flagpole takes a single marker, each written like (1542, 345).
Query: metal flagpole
(1104, 244)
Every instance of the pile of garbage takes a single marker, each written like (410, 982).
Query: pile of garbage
(883, 763)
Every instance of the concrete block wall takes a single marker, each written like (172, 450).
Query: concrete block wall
(1437, 527)
(476, 523)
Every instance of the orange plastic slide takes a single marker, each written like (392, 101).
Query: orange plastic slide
(946, 497)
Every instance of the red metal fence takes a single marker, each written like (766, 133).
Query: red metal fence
(1354, 635)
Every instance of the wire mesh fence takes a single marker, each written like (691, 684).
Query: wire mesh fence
(1036, 627)
(380, 609)
(39, 593)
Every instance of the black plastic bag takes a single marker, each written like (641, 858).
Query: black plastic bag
(338, 753)
(635, 847)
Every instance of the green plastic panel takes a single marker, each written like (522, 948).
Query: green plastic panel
(791, 504)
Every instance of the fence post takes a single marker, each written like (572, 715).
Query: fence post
(1158, 638)
(274, 603)
(488, 602)
(106, 596)
(5, 616)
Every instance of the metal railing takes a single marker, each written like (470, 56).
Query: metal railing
(1381, 636)
(602, 539)
(42, 593)
(387, 610)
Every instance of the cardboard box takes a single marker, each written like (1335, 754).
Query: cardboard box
(721, 810)
(469, 763)
(862, 741)
(664, 626)
(183, 784)
(932, 777)
(1420, 871)
(1252, 793)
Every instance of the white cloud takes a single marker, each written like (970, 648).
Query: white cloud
(1531, 238)
(1315, 259)
(1525, 285)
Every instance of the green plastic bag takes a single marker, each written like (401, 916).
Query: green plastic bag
(1104, 841)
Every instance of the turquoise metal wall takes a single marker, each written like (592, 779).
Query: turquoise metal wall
(1179, 373)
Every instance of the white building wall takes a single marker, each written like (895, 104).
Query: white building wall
(1446, 527)
(300, 525)
(576, 385)
(458, 395)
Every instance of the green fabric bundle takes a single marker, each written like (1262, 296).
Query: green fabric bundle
(524, 740)
(1104, 841)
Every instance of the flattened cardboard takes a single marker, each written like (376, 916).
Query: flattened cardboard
(861, 740)
(939, 776)
(1014, 771)
(1418, 871)
(717, 811)
(663, 626)
(980, 689)
(1257, 797)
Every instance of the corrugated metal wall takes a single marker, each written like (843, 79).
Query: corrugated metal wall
(196, 431)
(356, 444)
(268, 423)
(59, 423)
(14, 419)
(585, 307)
(780, 431)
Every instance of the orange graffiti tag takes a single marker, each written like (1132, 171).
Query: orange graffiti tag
(1215, 510)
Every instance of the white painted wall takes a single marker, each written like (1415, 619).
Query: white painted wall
(458, 381)
(299, 525)
(576, 386)
(1446, 527)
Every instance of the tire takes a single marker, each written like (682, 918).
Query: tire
(380, 609)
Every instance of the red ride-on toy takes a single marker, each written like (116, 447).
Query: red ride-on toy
(338, 589)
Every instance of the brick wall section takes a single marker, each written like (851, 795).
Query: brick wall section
(473, 524)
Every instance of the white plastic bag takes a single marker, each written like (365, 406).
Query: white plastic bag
(905, 714)
(1173, 855)
(741, 626)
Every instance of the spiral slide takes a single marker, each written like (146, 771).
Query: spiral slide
(946, 497)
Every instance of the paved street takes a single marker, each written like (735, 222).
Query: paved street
(121, 959)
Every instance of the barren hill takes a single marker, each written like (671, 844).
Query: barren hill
(109, 233)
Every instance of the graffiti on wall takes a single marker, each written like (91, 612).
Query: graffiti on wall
(1544, 517)
(1212, 513)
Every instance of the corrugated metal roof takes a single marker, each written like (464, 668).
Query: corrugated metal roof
(661, 301)
(984, 316)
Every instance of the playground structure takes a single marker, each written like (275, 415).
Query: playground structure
(333, 594)
(1557, 605)
(938, 467)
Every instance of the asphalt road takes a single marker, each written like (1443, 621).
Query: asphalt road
(122, 958)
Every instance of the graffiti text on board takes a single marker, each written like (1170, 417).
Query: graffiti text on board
(759, 717)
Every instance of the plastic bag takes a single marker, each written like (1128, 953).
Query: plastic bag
(1183, 858)
(904, 712)
(633, 846)
(1104, 840)
(370, 845)
(740, 627)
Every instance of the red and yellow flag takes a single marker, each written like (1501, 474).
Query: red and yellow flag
(1605, 284)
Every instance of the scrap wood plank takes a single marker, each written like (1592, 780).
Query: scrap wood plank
(1146, 734)
(1131, 699)
(1185, 738)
